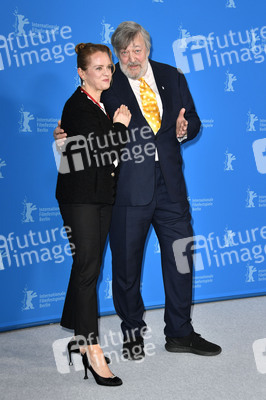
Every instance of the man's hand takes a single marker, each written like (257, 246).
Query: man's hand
(59, 135)
(181, 124)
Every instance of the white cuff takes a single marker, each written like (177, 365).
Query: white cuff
(180, 139)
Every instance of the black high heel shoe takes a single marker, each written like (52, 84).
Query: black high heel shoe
(73, 347)
(100, 380)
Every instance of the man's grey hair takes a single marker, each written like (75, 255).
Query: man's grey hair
(125, 33)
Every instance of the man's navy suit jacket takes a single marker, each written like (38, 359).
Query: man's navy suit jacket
(136, 180)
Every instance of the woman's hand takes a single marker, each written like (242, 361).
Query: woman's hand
(122, 115)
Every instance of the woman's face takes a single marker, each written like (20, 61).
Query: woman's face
(97, 76)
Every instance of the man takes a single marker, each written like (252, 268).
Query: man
(152, 191)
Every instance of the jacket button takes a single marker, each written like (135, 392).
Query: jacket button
(112, 174)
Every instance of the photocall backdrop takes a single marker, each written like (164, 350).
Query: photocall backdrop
(221, 48)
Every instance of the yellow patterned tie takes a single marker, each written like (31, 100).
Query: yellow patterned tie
(150, 106)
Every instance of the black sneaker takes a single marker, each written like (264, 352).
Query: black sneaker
(192, 343)
(133, 349)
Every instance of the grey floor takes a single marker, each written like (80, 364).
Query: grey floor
(34, 362)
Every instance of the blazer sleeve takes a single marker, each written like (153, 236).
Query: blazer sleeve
(190, 115)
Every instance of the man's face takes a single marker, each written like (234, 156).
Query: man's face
(134, 59)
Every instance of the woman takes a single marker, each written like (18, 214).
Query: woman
(85, 192)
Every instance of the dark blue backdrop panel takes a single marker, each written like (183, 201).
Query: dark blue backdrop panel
(221, 47)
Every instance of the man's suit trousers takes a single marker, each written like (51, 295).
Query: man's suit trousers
(129, 230)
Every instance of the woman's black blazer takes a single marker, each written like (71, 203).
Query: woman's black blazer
(88, 174)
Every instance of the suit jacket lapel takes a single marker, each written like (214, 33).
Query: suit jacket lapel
(160, 79)
(127, 97)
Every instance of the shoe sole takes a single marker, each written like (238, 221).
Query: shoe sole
(175, 349)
